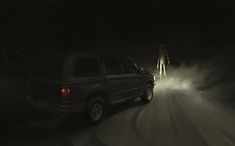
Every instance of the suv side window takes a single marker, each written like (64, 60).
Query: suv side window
(86, 67)
(129, 67)
(113, 66)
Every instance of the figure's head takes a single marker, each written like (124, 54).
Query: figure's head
(161, 45)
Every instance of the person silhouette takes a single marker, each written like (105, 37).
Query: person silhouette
(163, 58)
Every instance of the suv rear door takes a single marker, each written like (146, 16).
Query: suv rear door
(135, 79)
(86, 76)
(117, 83)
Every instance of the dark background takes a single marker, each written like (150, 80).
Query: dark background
(191, 30)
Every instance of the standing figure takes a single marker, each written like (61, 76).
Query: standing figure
(162, 60)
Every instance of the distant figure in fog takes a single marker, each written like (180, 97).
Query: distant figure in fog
(162, 60)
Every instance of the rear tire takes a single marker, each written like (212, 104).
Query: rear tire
(148, 94)
(96, 110)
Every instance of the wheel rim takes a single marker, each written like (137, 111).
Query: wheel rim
(149, 94)
(96, 111)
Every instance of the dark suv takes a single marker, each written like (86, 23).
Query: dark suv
(86, 82)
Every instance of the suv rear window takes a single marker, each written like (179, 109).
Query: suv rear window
(86, 67)
(49, 68)
(129, 66)
(113, 66)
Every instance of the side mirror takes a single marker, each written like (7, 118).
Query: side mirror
(140, 69)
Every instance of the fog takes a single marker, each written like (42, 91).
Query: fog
(211, 78)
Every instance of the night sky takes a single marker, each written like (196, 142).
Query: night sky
(190, 30)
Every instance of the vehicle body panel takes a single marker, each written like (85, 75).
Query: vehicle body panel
(45, 93)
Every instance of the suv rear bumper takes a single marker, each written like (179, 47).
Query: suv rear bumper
(64, 106)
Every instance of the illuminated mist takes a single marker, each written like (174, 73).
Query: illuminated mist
(206, 78)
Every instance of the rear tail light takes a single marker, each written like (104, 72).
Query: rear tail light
(65, 92)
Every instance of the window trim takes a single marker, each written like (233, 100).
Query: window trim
(132, 62)
(72, 75)
(113, 75)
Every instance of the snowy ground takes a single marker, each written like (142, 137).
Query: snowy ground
(186, 111)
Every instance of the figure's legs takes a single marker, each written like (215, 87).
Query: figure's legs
(164, 69)
(160, 70)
